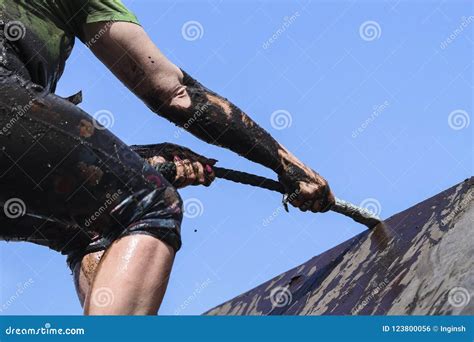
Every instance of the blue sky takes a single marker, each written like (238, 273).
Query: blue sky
(376, 96)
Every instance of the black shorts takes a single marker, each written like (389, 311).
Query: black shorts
(68, 183)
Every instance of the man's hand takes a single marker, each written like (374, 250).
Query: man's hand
(307, 190)
(187, 172)
(175, 95)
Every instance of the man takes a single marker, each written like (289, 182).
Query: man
(81, 190)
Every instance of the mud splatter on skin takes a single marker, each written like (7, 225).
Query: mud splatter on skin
(224, 104)
(63, 164)
(91, 173)
(224, 124)
(89, 265)
(129, 70)
(86, 128)
(84, 274)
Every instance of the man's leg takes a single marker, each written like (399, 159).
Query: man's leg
(58, 162)
(84, 274)
(99, 298)
(120, 287)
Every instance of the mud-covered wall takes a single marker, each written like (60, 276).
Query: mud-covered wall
(421, 262)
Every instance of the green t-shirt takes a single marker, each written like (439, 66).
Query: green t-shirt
(43, 31)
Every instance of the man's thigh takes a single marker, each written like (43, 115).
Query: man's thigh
(84, 273)
(56, 160)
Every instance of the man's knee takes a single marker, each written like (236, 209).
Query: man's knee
(157, 213)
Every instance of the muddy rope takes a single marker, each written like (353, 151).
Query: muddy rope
(168, 170)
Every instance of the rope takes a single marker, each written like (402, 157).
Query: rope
(168, 170)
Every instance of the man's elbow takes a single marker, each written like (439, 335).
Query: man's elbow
(180, 98)
(169, 98)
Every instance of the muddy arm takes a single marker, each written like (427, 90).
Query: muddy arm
(172, 93)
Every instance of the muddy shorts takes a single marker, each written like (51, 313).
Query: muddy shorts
(68, 183)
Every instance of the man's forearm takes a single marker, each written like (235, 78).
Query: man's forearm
(216, 120)
(212, 118)
(131, 55)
